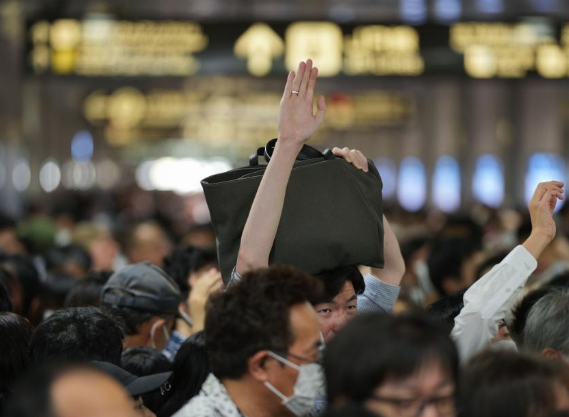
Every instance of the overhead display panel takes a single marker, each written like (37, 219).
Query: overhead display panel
(105, 47)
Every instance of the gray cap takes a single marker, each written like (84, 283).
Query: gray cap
(144, 287)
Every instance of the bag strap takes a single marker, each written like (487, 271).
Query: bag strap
(254, 158)
(306, 153)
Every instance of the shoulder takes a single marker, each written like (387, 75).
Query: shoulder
(199, 406)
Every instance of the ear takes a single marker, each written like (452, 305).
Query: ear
(149, 328)
(552, 354)
(257, 366)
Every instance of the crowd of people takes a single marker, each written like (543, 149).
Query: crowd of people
(467, 318)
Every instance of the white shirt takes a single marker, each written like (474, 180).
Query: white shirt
(489, 300)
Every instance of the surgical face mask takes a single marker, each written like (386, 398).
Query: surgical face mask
(309, 385)
(153, 332)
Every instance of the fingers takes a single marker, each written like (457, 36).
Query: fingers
(320, 109)
(353, 156)
(309, 94)
(543, 187)
(305, 78)
(549, 200)
(288, 85)
(298, 78)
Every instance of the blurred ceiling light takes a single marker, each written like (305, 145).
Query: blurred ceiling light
(82, 146)
(490, 6)
(480, 62)
(21, 175)
(446, 184)
(142, 175)
(79, 175)
(412, 184)
(448, 10)
(551, 61)
(388, 172)
(108, 174)
(543, 167)
(50, 176)
(413, 11)
(488, 181)
(182, 176)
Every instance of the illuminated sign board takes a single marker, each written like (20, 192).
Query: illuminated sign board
(177, 48)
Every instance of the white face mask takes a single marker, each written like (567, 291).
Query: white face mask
(309, 385)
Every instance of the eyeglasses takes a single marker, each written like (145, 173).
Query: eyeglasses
(445, 405)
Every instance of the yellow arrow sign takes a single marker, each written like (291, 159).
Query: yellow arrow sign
(259, 44)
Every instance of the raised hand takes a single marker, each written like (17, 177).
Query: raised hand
(542, 205)
(297, 121)
(207, 284)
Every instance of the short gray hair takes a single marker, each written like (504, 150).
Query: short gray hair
(547, 325)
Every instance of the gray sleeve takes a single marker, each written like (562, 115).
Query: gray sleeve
(378, 296)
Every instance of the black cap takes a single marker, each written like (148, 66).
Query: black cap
(135, 385)
(144, 287)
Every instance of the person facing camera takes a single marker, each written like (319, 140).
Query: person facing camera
(263, 343)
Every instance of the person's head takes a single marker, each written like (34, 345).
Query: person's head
(502, 383)
(141, 361)
(100, 244)
(146, 300)
(86, 292)
(519, 316)
(23, 269)
(148, 242)
(547, 323)
(489, 263)
(79, 334)
(447, 308)
(5, 301)
(70, 260)
(15, 334)
(69, 391)
(190, 370)
(561, 280)
(262, 331)
(15, 292)
(339, 300)
(395, 366)
(10, 243)
(187, 264)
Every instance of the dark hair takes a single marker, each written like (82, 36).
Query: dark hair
(446, 309)
(333, 282)
(23, 268)
(373, 348)
(490, 263)
(190, 369)
(520, 313)
(446, 258)
(15, 334)
(141, 361)
(350, 410)
(561, 280)
(253, 315)
(185, 260)
(81, 334)
(86, 292)
(129, 318)
(503, 383)
(58, 258)
(5, 302)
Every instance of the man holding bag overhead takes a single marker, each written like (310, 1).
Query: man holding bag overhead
(346, 291)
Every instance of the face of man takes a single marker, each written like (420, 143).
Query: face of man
(86, 393)
(150, 244)
(334, 315)
(303, 351)
(429, 392)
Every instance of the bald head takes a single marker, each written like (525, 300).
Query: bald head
(90, 393)
(148, 242)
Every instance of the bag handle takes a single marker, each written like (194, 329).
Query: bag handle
(306, 153)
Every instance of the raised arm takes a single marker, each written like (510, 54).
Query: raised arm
(493, 296)
(297, 123)
(394, 268)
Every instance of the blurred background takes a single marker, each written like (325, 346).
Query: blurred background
(112, 111)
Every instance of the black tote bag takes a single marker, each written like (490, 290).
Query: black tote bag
(332, 215)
